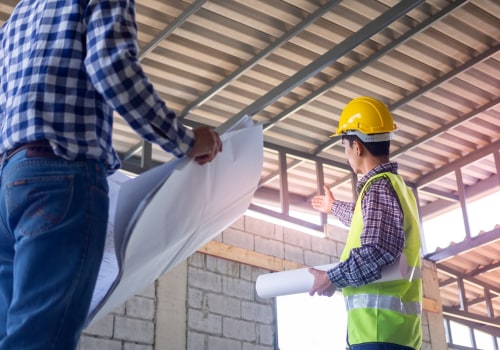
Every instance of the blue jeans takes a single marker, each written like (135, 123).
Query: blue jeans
(53, 221)
(379, 346)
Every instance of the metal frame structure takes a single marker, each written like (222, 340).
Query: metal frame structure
(293, 64)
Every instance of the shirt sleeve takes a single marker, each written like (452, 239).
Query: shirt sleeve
(114, 69)
(343, 211)
(382, 238)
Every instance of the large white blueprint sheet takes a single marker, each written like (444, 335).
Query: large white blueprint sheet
(166, 214)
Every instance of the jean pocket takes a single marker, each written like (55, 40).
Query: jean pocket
(38, 204)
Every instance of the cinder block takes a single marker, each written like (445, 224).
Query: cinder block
(238, 239)
(120, 310)
(228, 268)
(216, 343)
(134, 330)
(90, 343)
(195, 297)
(297, 238)
(238, 288)
(140, 307)
(250, 273)
(204, 322)
(269, 247)
(294, 253)
(102, 327)
(279, 232)
(265, 334)
(197, 260)
(324, 245)
(224, 305)
(338, 234)
(133, 346)
(238, 329)
(259, 227)
(204, 280)
(210, 263)
(195, 341)
(249, 346)
(315, 258)
(257, 312)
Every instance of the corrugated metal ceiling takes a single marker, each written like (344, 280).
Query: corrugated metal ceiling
(294, 64)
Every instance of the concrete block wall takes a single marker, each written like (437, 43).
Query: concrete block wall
(210, 303)
(224, 312)
(130, 327)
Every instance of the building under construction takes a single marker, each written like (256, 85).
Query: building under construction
(292, 65)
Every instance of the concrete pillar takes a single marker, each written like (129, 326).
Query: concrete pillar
(171, 309)
(433, 322)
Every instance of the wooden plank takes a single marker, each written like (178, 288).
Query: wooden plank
(248, 257)
(431, 305)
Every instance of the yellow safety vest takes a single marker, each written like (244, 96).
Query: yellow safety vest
(387, 312)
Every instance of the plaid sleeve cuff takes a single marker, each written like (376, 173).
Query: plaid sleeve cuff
(336, 277)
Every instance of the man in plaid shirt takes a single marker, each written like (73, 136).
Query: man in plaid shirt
(384, 230)
(65, 67)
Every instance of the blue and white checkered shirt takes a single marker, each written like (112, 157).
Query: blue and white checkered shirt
(65, 66)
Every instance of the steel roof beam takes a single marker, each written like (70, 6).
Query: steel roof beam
(184, 16)
(457, 164)
(263, 54)
(458, 121)
(328, 58)
(461, 247)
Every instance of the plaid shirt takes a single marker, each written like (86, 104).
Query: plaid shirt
(65, 67)
(382, 238)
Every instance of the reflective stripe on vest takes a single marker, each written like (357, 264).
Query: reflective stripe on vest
(361, 301)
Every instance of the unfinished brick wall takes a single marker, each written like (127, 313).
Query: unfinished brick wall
(224, 312)
(209, 303)
(129, 327)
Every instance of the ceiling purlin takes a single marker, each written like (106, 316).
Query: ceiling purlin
(255, 60)
(327, 59)
(153, 44)
(492, 148)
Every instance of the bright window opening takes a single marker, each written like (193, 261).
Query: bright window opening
(311, 322)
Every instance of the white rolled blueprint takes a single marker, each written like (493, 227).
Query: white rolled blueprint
(163, 216)
(298, 281)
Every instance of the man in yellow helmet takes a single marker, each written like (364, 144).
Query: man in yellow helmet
(384, 229)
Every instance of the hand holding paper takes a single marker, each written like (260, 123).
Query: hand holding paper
(322, 284)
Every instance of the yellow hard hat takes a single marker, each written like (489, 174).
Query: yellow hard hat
(368, 118)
